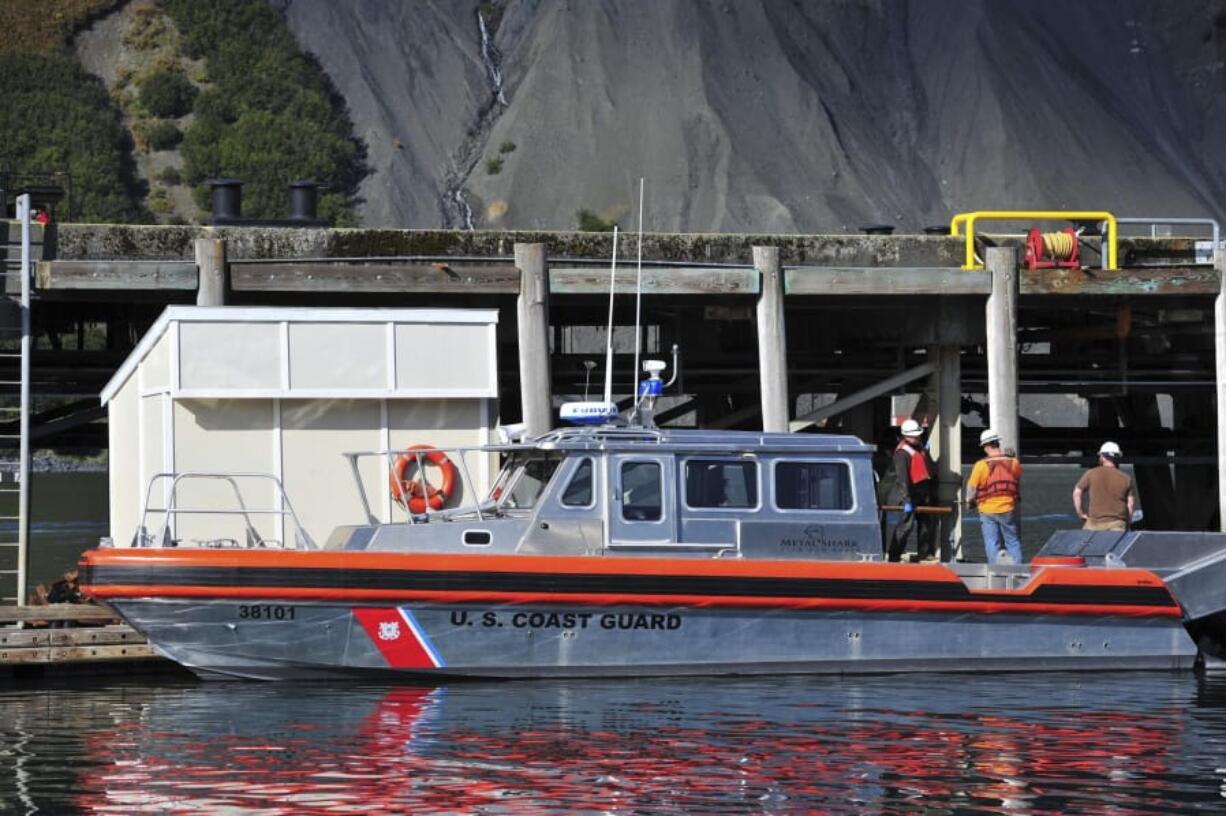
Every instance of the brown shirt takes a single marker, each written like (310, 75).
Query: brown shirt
(1109, 488)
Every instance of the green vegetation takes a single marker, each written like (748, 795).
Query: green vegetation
(493, 166)
(506, 147)
(167, 93)
(269, 114)
(57, 118)
(159, 201)
(591, 222)
(162, 135)
(54, 117)
(170, 177)
(48, 24)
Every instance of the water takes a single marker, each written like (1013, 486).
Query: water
(937, 744)
(68, 514)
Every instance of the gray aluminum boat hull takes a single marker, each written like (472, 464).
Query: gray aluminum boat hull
(218, 639)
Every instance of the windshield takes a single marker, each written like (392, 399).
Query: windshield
(524, 479)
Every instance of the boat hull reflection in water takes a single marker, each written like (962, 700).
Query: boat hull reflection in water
(1069, 744)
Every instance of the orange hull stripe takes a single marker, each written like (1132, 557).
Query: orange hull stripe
(589, 565)
(113, 592)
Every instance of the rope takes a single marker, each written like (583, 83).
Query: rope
(1058, 246)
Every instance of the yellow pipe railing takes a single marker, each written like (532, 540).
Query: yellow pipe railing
(969, 218)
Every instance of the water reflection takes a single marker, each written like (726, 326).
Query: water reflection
(939, 744)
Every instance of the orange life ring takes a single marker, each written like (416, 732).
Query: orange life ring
(422, 495)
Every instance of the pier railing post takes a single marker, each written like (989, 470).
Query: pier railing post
(1219, 346)
(772, 340)
(1001, 324)
(532, 311)
(212, 282)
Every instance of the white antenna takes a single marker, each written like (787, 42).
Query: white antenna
(638, 300)
(608, 357)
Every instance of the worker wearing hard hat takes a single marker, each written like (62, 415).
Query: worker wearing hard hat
(916, 474)
(994, 485)
(1112, 498)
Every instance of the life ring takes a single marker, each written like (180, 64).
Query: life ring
(422, 495)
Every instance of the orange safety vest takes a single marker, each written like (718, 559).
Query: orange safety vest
(919, 470)
(1002, 479)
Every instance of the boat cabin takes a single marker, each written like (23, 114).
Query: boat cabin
(632, 490)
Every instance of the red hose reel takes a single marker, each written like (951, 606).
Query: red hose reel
(1053, 250)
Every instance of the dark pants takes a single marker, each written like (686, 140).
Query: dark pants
(926, 527)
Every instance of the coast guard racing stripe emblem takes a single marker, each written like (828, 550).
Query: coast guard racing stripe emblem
(399, 637)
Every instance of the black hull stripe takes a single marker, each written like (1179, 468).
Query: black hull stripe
(567, 583)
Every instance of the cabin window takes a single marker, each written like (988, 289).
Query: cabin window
(642, 491)
(813, 486)
(530, 475)
(721, 484)
(578, 491)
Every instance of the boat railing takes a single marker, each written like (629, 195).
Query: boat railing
(251, 536)
(458, 456)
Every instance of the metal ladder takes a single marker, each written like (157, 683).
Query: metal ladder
(15, 344)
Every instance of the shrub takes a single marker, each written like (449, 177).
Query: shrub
(170, 176)
(269, 113)
(506, 147)
(56, 117)
(167, 93)
(159, 201)
(493, 166)
(591, 222)
(163, 135)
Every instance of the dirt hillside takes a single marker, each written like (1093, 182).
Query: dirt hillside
(776, 115)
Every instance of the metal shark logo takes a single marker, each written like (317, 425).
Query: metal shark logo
(815, 539)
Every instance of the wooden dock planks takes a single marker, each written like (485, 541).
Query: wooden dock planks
(74, 646)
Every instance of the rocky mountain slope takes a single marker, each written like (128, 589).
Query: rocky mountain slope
(776, 115)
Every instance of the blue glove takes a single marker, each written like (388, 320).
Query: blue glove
(908, 507)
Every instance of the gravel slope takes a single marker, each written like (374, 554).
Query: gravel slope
(780, 115)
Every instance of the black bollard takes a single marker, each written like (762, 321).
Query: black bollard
(303, 200)
(227, 196)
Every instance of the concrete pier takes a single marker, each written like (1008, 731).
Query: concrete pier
(1124, 354)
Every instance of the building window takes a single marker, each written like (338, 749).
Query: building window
(578, 492)
(642, 493)
(812, 486)
(716, 483)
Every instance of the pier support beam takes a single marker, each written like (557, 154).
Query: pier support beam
(945, 443)
(1219, 347)
(532, 311)
(1001, 323)
(211, 272)
(772, 340)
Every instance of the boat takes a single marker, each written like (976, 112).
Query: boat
(619, 548)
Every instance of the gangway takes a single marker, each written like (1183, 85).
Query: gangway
(15, 341)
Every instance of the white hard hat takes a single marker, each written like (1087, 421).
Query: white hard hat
(912, 428)
(1110, 449)
(987, 436)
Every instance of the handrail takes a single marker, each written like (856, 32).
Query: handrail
(969, 218)
(1207, 222)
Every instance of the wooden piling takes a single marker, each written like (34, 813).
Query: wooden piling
(211, 272)
(1001, 324)
(532, 311)
(772, 340)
